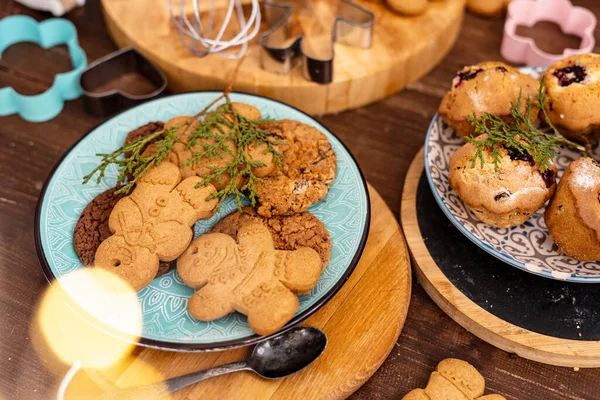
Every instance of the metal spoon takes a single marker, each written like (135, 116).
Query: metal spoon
(277, 357)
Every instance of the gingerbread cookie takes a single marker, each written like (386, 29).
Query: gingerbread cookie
(290, 232)
(153, 224)
(92, 228)
(249, 276)
(309, 166)
(453, 379)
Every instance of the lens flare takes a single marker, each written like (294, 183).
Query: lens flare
(90, 317)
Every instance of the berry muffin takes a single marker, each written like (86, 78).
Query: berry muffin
(573, 215)
(489, 87)
(573, 91)
(290, 232)
(309, 166)
(502, 197)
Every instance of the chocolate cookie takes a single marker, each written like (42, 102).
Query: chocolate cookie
(144, 130)
(289, 232)
(309, 165)
(92, 228)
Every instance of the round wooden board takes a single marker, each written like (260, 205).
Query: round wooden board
(403, 50)
(362, 323)
(488, 327)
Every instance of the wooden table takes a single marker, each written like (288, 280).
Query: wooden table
(384, 137)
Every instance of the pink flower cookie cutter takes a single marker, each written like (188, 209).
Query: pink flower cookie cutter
(572, 20)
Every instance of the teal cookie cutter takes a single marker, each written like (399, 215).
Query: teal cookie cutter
(51, 32)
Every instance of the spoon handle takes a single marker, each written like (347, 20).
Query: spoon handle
(175, 384)
(159, 390)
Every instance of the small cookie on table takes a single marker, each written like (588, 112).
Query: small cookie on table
(490, 87)
(502, 197)
(453, 379)
(488, 8)
(573, 215)
(573, 89)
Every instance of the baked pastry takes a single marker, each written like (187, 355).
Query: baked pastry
(249, 276)
(490, 87)
(488, 8)
(453, 379)
(309, 165)
(504, 197)
(573, 215)
(290, 232)
(573, 91)
(153, 224)
(92, 229)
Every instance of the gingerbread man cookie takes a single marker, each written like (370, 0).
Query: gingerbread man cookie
(453, 379)
(153, 224)
(249, 276)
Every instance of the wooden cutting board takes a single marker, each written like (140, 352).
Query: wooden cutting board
(506, 303)
(403, 50)
(362, 323)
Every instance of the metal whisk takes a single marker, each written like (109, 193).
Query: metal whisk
(203, 39)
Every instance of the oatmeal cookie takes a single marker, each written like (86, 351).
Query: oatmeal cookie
(309, 166)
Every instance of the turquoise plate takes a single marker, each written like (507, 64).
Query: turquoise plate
(166, 321)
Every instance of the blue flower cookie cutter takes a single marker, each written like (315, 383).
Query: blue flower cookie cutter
(51, 32)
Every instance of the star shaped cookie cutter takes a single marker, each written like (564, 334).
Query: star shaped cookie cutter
(353, 26)
(573, 20)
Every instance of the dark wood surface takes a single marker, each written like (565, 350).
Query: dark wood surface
(384, 137)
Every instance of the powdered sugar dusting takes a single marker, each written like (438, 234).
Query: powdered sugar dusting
(587, 175)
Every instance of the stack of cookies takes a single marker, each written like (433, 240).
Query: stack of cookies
(254, 261)
(504, 185)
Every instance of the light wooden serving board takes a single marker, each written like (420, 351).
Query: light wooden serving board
(403, 50)
(470, 315)
(362, 323)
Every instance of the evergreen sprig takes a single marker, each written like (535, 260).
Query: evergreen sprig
(211, 136)
(519, 134)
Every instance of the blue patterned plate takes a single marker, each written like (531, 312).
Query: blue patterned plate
(528, 246)
(166, 321)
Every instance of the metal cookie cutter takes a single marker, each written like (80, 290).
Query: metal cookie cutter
(100, 100)
(577, 21)
(52, 32)
(353, 26)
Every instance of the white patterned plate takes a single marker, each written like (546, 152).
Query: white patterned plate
(528, 246)
(167, 324)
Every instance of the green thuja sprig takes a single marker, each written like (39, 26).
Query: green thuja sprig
(520, 134)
